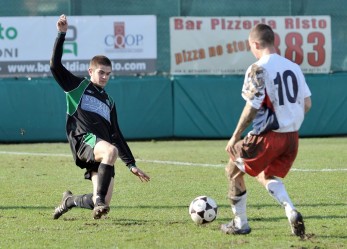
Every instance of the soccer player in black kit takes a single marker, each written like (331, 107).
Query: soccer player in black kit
(92, 130)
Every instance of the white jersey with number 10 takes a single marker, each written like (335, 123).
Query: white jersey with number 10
(278, 92)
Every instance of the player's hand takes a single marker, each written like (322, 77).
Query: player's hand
(230, 148)
(140, 174)
(62, 24)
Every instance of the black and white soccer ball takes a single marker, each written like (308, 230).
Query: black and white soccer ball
(203, 209)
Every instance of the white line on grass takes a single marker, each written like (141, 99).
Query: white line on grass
(161, 162)
(33, 154)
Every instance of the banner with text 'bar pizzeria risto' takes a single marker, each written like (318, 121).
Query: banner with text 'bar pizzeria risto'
(26, 44)
(219, 45)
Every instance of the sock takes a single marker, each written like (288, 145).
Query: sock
(238, 207)
(105, 174)
(82, 201)
(277, 190)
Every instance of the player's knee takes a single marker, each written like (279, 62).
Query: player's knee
(112, 152)
(263, 179)
(228, 167)
(108, 154)
(232, 171)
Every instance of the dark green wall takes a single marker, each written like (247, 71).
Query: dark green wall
(209, 107)
(38, 107)
(159, 107)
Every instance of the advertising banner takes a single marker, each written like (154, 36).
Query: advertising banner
(219, 45)
(129, 41)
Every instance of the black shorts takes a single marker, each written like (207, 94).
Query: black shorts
(85, 154)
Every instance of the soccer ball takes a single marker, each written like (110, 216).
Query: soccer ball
(203, 209)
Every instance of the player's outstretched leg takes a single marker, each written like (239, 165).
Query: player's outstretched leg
(297, 223)
(62, 208)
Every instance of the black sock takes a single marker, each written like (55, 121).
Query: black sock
(105, 174)
(82, 201)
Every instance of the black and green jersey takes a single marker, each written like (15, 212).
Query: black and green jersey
(90, 110)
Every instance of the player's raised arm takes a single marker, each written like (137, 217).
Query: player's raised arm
(64, 77)
(62, 24)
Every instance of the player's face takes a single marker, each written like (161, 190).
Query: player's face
(100, 75)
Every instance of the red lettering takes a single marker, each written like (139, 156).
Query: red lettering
(305, 24)
(190, 25)
(247, 24)
(272, 24)
(238, 46)
(316, 58)
(301, 23)
(230, 24)
(237, 26)
(212, 51)
(214, 23)
(178, 24)
(219, 49)
(294, 50)
(288, 23)
(178, 58)
(191, 55)
(322, 24)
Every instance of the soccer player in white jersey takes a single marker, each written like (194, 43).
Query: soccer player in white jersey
(277, 98)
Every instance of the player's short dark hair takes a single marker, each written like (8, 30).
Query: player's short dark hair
(100, 60)
(263, 34)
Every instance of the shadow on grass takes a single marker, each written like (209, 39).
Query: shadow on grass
(133, 222)
(181, 206)
(277, 218)
(145, 221)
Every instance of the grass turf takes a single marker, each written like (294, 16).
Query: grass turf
(155, 214)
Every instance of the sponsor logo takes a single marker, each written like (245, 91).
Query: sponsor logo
(92, 104)
(122, 41)
(9, 33)
(70, 44)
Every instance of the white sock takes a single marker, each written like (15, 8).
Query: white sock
(277, 190)
(239, 210)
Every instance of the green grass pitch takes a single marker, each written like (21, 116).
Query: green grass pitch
(155, 214)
